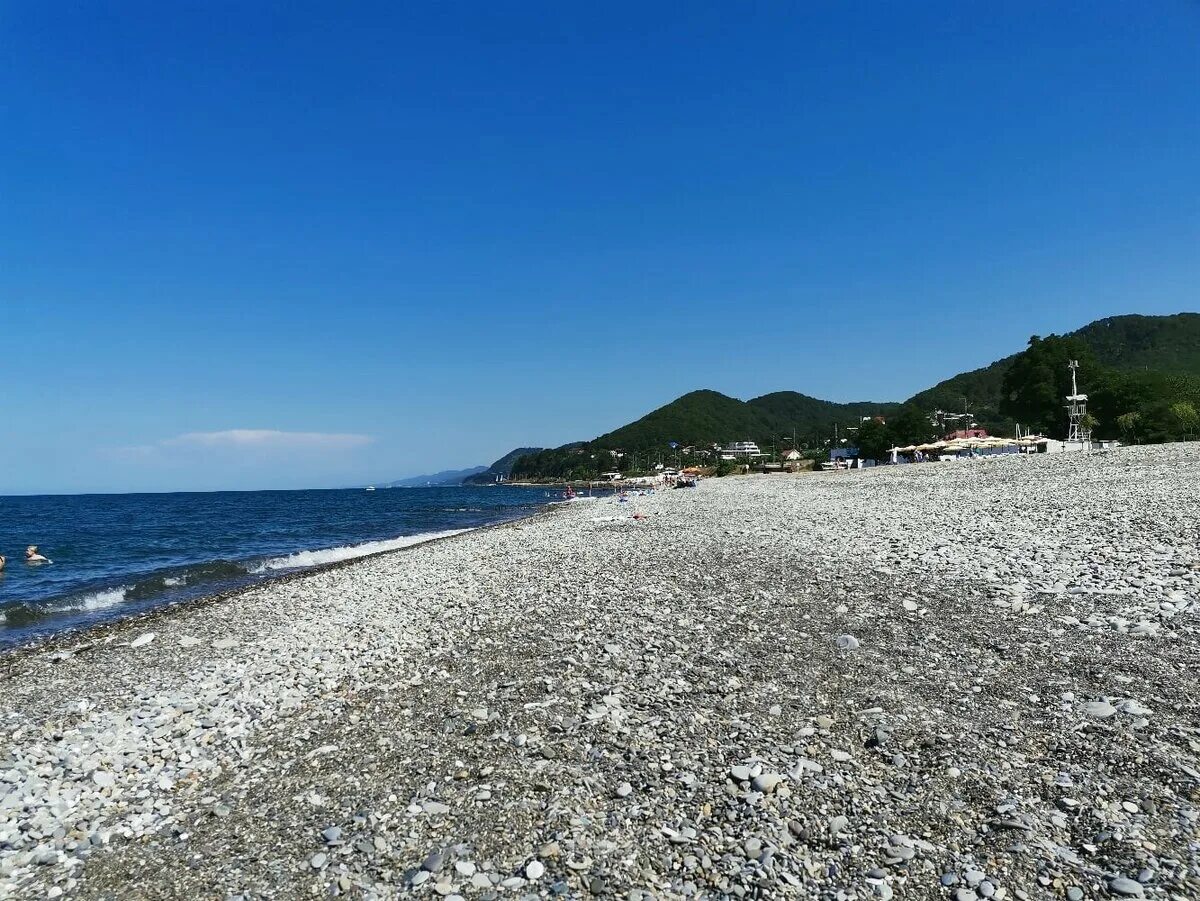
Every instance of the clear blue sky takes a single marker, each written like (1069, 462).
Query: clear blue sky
(285, 245)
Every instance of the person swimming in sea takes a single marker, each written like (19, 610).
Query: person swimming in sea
(3, 560)
(32, 555)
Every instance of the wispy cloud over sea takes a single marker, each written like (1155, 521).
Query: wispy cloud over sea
(258, 441)
(269, 438)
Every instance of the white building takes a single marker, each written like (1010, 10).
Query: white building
(742, 449)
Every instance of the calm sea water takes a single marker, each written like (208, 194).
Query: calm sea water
(124, 553)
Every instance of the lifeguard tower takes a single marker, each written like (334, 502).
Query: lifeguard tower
(1078, 433)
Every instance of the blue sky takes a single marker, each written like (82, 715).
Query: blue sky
(292, 245)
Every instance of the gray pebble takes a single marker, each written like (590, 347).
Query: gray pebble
(1124, 886)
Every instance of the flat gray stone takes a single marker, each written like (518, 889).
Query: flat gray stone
(1127, 887)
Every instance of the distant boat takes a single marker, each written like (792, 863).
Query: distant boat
(370, 487)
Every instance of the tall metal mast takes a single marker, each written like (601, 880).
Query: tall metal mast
(1077, 411)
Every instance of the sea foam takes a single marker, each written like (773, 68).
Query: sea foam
(302, 559)
(99, 600)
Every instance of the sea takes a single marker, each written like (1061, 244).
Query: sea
(113, 555)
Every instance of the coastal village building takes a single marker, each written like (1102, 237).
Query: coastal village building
(735, 449)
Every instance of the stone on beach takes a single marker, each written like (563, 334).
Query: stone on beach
(1099, 709)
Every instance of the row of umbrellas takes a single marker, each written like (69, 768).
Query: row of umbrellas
(962, 444)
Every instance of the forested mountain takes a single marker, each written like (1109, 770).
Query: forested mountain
(1168, 344)
(698, 420)
(699, 417)
(502, 467)
(977, 391)
(704, 417)
(1142, 374)
(790, 412)
(1163, 344)
(1136, 405)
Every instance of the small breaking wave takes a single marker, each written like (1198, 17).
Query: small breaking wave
(303, 559)
(98, 600)
(26, 615)
(156, 584)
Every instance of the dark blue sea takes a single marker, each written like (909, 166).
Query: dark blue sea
(117, 554)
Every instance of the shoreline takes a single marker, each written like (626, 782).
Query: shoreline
(95, 634)
(660, 699)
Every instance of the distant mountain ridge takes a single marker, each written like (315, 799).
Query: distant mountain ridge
(475, 475)
(441, 479)
(1165, 345)
(502, 468)
(704, 417)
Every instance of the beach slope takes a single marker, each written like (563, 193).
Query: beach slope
(952, 680)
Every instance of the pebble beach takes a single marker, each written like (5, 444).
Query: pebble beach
(965, 681)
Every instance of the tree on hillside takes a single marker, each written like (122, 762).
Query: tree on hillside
(1130, 425)
(1038, 381)
(1143, 407)
(1187, 420)
(910, 426)
(874, 440)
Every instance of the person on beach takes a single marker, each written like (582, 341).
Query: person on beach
(32, 555)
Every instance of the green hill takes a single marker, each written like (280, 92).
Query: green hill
(1143, 365)
(977, 391)
(706, 417)
(1169, 344)
(699, 417)
(502, 467)
(1163, 344)
(790, 412)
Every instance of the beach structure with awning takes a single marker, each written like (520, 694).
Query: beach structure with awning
(981, 446)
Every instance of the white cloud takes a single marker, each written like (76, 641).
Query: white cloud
(256, 441)
(270, 438)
